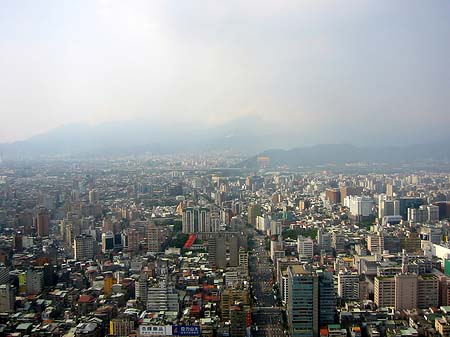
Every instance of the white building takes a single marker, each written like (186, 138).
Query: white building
(359, 206)
(305, 246)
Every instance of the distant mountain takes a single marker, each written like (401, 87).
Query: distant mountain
(346, 154)
(246, 135)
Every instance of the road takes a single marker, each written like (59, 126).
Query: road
(267, 317)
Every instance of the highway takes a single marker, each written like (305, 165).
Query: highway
(267, 317)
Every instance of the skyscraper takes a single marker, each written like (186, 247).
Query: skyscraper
(42, 222)
(303, 302)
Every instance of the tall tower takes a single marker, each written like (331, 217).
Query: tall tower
(303, 302)
(42, 222)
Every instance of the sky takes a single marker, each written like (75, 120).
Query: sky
(329, 69)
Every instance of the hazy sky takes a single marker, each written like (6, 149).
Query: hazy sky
(313, 65)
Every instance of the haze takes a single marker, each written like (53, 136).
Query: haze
(326, 70)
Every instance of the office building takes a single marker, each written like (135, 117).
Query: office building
(197, 219)
(42, 222)
(83, 247)
(405, 291)
(34, 281)
(153, 244)
(348, 285)
(107, 242)
(7, 297)
(427, 291)
(384, 291)
(305, 247)
(303, 302)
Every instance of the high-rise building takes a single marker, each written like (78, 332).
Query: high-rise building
(375, 243)
(197, 219)
(34, 281)
(384, 291)
(153, 244)
(7, 298)
(42, 222)
(327, 298)
(107, 242)
(324, 241)
(303, 302)
(361, 208)
(83, 247)
(405, 291)
(333, 195)
(348, 285)
(427, 291)
(338, 242)
(305, 246)
(253, 211)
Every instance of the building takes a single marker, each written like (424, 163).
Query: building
(34, 281)
(107, 242)
(303, 302)
(229, 297)
(324, 241)
(305, 246)
(427, 291)
(42, 222)
(121, 326)
(333, 195)
(361, 208)
(253, 211)
(197, 219)
(348, 285)
(384, 291)
(153, 244)
(338, 242)
(327, 298)
(405, 291)
(83, 247)
(7, 298)
(162, 298)
(375, 243)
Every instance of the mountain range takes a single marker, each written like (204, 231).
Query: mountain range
(247, 136)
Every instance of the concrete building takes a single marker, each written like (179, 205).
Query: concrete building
(361, 208)
(427, 291)
(34, 281)
(305, 246)
(7, 298)
(405, 291)
(83, 247)
(197, 219)
(384, 291)
(153, 244)
(303, 302)
(162, 298)
(42, 222)
(348, 285)
(121, 326)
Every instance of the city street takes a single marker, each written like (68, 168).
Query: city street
(267, 317)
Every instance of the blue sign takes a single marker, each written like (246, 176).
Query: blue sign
(185, 330)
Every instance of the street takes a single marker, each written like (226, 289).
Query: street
(267, 317)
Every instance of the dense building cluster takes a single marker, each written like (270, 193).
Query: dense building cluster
(163, 247)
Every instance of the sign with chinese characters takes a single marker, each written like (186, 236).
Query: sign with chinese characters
(185, 330)
(155, 330)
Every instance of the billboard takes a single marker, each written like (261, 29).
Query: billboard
(185, 330)
(155, 330)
